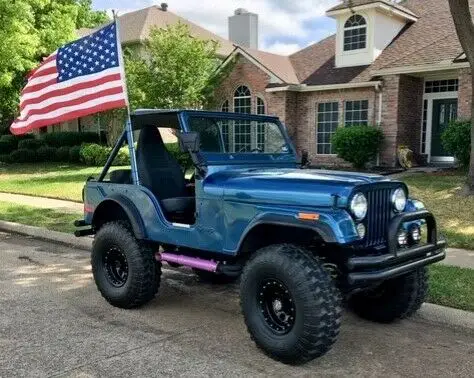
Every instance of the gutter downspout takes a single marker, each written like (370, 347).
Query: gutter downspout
(379, 92)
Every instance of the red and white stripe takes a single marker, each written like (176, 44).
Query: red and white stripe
(44, 101)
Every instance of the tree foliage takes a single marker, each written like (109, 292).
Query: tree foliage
(29, 31)
(173, 70)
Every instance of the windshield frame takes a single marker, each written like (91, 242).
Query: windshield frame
(242, 157)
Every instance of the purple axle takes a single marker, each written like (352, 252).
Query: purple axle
(192, 262)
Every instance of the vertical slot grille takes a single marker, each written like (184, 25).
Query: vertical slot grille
(379, 215)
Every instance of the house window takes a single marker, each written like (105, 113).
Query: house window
(356, 113)
(439, 86)
(260, 125)
(242, 129)
(328, 120)
(423, 128)
(355, 33)
(225, 125)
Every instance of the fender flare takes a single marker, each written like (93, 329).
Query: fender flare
(130, 210)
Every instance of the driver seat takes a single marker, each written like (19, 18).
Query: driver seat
(160, 172)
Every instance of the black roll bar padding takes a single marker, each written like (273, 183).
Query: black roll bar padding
(410, 217)
(113, 155)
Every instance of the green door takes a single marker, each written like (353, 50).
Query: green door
(444, 111)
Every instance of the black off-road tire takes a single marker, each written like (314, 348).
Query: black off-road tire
(214, 278)
(144, 272)
(395, 299)
(318, 310)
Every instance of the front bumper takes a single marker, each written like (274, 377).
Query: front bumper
(398, 261)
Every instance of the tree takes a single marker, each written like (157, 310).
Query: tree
(462, 17)
(174, 70)
(29, 31)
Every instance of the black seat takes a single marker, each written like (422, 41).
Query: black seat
(161, 173)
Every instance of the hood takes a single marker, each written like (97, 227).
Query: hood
(301, 187)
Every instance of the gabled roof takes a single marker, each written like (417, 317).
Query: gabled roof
(353, 4)
(136, 26)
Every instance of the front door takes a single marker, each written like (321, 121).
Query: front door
(444, 112)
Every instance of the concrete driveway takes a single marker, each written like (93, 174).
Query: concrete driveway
(53, 322)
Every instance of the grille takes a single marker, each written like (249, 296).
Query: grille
(378, 216)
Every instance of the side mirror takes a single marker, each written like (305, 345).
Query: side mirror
(189, 142)
(305, 162)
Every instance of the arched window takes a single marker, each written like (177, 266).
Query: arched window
(355, 33)
(225, 125)
(260, 131)
(242, 129)
(225, 106)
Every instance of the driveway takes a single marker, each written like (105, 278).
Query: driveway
(53, 322)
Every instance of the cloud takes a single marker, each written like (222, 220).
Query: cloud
(282, 48)
(278, 19)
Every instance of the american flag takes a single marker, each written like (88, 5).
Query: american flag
(81, 78)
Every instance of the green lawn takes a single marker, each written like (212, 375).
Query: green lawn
(32, 216)
(52, 180)
(451, 286)
(441, 193)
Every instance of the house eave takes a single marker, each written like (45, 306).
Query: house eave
(420, 68)
(329, 87)
(379, 5)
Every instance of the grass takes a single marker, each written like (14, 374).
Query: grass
(32, 216)
(441, 194)
(451, 286)
(52, 180)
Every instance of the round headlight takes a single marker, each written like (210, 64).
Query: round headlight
(359, 206)
(399, 199)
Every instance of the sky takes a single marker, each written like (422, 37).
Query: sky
(286, 26)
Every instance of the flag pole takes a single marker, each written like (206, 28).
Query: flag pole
(128, 121)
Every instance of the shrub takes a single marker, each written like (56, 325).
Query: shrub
(23, 156)
(457, 141)
(11, 140)
(30, 144)
(94, 154)
(183, 157)
(70, 138)
(5, 159)
(357, 144)
(6, 147)
(62, 154)
(75, 154)
(46, 153)
(123, 157)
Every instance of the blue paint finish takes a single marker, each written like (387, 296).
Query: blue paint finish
(242, 191)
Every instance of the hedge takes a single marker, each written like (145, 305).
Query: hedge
(6, 147)
(31, 144)
(23, 156)
(46, 153)
(70, 138)
(457, 141)
(183, 157)
(357, 144)
(96, 155)
(75, 154)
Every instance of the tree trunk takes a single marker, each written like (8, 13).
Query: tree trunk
(462, 17)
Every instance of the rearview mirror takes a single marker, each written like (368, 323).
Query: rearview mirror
(189, 142)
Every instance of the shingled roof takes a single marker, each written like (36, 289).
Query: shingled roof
(136, 27)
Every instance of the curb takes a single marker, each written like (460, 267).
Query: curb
(84, 243)
(429, 312)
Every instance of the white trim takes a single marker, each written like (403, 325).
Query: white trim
(330, 87)
(443, 66)
(379, 5)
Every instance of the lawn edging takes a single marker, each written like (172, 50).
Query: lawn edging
(84, 243)
(451, 317)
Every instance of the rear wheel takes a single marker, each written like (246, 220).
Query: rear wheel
(395, 299)
(125, 270)
(290, 304)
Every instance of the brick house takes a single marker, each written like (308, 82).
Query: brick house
(397, 67)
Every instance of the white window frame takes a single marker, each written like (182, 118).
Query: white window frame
(344, 29)
(317, 122)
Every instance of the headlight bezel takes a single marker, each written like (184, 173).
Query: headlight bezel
(359, 216)
(399, 204)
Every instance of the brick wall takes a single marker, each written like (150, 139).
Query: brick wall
(465, 93)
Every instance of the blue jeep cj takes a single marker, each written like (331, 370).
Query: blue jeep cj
(300, 240)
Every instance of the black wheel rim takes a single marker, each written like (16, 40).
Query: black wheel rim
(115, 266)
(276, 305)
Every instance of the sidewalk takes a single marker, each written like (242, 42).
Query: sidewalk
(44, 203)
(455, 257)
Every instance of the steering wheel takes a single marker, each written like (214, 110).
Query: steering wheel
(258, 149)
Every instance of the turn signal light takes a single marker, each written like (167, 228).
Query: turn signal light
(308, 216)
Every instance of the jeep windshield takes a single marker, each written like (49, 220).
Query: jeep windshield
(241, 135)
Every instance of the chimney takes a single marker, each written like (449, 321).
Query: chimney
(164, 7)
(243, 28)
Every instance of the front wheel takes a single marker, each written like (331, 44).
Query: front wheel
(397, 298)
(290, 304)
(124, 268)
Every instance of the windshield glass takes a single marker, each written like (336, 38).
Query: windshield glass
(220, 135)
